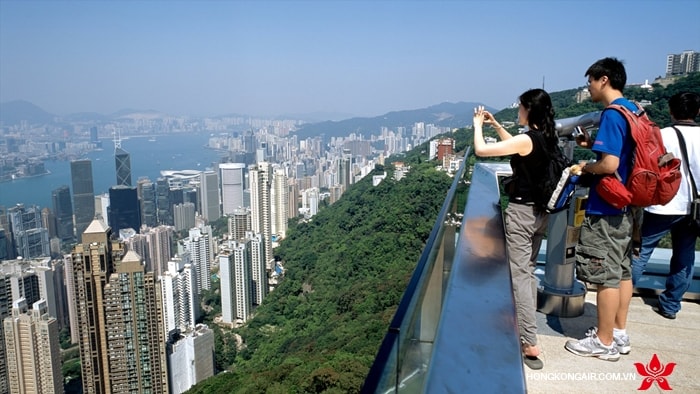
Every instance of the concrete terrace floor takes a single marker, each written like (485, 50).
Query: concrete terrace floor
(673, 341)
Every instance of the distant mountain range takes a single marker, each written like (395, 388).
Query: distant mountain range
(445, 114)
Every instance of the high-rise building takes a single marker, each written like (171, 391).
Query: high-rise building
(83, 195)
(232, 186)
(279, 203)
(30, 237)
(209, 196)
(102, 207)
(92, 266)
(236, 282)
(260, 206)
(239, 223)
(184, 216)
(683, 63)
(122, 161)
(33, 349)
(163, 205)
(180, 295)
(292, 199)
(122, 341)
(134, 329)
(48, 221)
(124, 208)
(63, 211)
(199, 246)
(147, 196)
(258, 265)
(159, 240)
(190, 358)
(5, 311)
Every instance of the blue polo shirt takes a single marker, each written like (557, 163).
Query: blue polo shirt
(613, 138)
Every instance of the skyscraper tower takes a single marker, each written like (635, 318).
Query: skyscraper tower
(232, 186)
(198, 244)
(260, 207)
(134, 329)
(163, 205)
(124, 209)
(209, 195)
(33, 349)
(63, 210)
(93, 264)
(147, 196)
(239, 223)
(122, 161)
(122, 340)
(279, 202)
(31, 238)
(83, 195)
(236, 283)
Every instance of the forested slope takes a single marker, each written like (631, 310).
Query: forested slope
(346, 271)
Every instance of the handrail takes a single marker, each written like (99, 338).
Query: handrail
(477, 346)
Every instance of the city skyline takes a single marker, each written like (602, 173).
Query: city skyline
(355, 58)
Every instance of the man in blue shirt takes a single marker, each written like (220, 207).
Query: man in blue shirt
(604, 249)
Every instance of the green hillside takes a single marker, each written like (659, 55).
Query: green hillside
(346, 272)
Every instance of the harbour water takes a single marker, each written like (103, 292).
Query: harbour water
(148, 158)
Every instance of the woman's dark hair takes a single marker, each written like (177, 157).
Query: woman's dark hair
(684, 105)
(540, 114)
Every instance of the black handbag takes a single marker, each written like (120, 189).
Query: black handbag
(694, 217)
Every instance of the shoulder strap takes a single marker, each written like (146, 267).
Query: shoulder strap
(684, 151)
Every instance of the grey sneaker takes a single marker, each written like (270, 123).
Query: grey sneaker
(590, 346)
(623, 344)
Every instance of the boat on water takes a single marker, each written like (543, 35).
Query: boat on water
(152, 139)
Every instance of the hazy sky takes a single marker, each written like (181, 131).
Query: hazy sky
(358, 57)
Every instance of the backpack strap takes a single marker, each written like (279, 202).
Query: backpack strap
(684, 151)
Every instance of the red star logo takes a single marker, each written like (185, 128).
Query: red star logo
(654, 372)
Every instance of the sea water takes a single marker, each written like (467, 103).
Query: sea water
(148, 158)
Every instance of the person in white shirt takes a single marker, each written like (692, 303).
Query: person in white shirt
(674, 216)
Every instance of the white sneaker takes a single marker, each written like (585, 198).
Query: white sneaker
(590, 346)
(623, 343)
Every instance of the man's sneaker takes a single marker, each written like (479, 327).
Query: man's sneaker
(623, 343)
(590, 346)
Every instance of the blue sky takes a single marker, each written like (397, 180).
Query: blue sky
(363, 58)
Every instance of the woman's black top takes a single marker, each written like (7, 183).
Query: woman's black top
(535, 162)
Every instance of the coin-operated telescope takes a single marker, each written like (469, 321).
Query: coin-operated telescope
(559, 293)
(575, 125)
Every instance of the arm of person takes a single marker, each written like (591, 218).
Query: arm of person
(520, 144)
(606, 165)
(503, 134)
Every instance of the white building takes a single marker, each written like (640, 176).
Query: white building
(199, 246)
(190, 359)
(232, 186)
(181, 307)
(236, 282)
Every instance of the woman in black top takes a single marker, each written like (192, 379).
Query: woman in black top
(525, 224)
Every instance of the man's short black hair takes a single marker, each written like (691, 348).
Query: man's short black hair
(611, 68)
(684, 106)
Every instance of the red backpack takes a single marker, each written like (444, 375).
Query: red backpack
(655, 175)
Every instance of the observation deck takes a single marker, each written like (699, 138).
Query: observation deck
(455, 328)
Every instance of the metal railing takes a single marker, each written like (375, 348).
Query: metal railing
(458, 307)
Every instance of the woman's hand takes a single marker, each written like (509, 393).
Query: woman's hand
(489, 119)
(479, 116)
